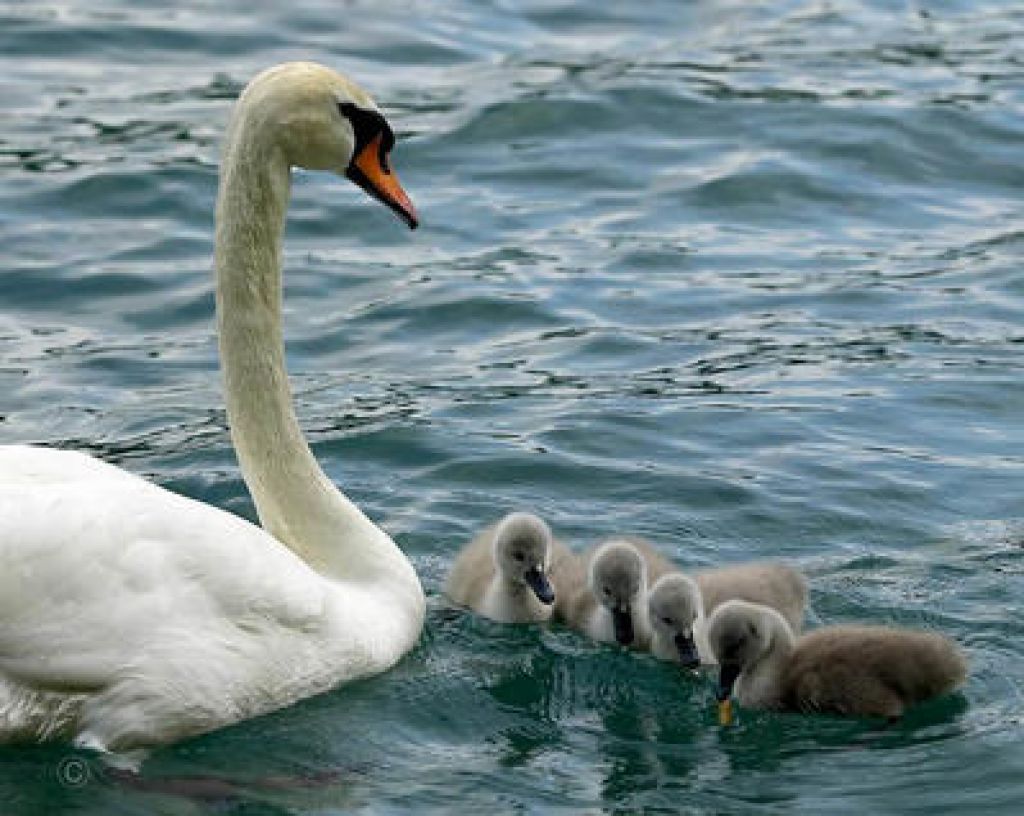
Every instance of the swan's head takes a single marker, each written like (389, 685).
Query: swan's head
(321, 120)
(674, 604)
(522, 553)
(739, 634)
(618, 579)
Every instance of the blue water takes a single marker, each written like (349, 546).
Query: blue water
(742, 278)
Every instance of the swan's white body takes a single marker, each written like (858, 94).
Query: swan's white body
(131, 616)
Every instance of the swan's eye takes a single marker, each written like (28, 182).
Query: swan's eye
(366, 125)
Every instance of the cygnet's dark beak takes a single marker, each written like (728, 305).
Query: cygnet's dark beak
(623, 623)
(687, 651)
(538, 582)
(727, 675)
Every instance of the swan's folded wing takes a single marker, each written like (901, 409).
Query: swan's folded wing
(96, 575)
(29, 465)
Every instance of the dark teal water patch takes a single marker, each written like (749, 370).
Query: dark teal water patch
(741, 278)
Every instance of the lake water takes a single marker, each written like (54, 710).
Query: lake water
(742, 278)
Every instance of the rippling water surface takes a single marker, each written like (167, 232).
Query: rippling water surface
(743, 278)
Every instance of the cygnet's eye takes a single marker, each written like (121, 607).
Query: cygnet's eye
(518, 556)
(607, 592)
(667, 621)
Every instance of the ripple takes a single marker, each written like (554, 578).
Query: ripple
(741, 278)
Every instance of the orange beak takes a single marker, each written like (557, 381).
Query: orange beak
(369, 170)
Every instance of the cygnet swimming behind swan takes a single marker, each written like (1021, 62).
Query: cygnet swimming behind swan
(849, 670)
(503, 573)
(678, 605)
(603, 593)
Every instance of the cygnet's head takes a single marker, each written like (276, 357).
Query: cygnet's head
(674, 603)
(739, 634)
(522, 553)
(320, 120)
(618, 579)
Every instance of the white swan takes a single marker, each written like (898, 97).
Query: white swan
(131, 616)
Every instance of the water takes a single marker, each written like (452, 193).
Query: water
(741, 278)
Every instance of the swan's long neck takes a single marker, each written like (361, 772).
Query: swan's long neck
(295, 500)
